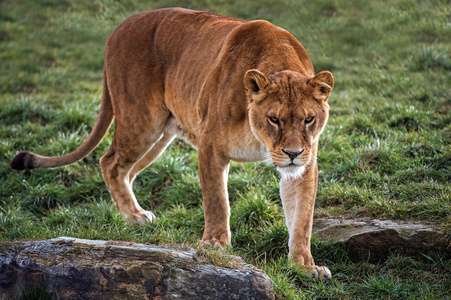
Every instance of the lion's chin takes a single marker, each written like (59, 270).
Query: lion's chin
(291, 170)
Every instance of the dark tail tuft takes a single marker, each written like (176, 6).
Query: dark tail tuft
(23, 161)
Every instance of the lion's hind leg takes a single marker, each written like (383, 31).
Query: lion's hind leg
(125, 158)
(116, 165)
(154, 152)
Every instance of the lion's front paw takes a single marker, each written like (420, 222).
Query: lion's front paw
(221, 241)
(318, 272)
(214, 242)
(304, 259)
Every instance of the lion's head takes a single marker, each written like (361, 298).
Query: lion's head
(288, 112)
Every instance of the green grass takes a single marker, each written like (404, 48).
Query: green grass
(37, 292)
(386, 152)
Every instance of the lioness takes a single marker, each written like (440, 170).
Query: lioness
(235, 90)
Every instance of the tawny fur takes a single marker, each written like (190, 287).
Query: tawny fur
(235, 90)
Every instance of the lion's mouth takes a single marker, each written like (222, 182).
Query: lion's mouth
(291, 164)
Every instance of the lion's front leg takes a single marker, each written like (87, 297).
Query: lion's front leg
(298, 199)
(213, 173)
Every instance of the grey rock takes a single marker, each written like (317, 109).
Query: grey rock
(73, 268)
(374, 240)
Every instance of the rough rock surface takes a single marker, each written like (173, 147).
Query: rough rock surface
(72, 268)
(375, 240)
(83, 269)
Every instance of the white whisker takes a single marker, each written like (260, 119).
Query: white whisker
(265, 157)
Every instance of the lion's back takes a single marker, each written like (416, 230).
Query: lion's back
(192, 60)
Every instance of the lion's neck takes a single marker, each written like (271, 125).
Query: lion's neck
(248, 149)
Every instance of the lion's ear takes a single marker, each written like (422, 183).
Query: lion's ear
(323, 84)
(254, 83)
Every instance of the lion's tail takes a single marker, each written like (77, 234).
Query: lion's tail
(26, 160)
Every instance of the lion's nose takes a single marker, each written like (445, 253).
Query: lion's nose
(292, 154)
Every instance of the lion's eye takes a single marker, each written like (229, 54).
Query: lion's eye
(274, 121)
(309, 120)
